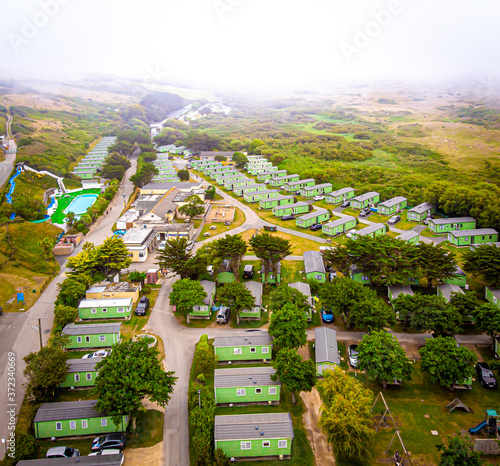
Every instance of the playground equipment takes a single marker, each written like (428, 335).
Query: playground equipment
(490, 423)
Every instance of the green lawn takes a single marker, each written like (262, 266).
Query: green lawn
(64, 201)
(299, 244)
(290, 271)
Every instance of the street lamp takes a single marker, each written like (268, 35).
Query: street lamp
(199, 406)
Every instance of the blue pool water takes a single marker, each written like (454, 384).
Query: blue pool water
(81, 203)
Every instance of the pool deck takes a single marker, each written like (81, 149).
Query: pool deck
(65, 200)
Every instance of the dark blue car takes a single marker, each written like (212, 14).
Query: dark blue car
(327, 315)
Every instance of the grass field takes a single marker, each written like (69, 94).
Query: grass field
(299, 245)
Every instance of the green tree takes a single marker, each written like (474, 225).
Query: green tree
(288, 327)
(291, 369)
(72, 290)
(342, 293)
(345, 418)
(370, 313)
(194, 207)
(183, 175)
(484, 261)
(465, 303)
(435, 262)
(382, 358)
(460, 451)
(285, 294)
(85, 262)
(220, 158)
(27, 448)
(446, 362)
(131, 374)
(45, 371)
(185, 294)
(176, 259)
(271, 250)
(338, 258)
(233, 248)
(64, 315)
(112, 256)
(488, 320)
(239, 159)
(236, 296)
(144, 175)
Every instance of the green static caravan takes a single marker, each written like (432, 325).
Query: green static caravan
(199, 164)
(256, 163)
(257, 196)
(81, 373)
(365, 200)
(292, 209)
(317, 190)
(165, 177)
(316, 216)
(295, 186)
(392, 206)
(211, 168)
(341, 195)
(221, 177)
(276, 201)
(243, 346)
(446, 291)
(115, 308)
(280, 181)
(204, 309)
(468, 237)
(222, 170)
(337, 227)
(246, 385)
(231, 182)
(492, 295)
(255, 289)
(245, 181)
(410, 236)
(358, 275)
(242, 190)
(88, 165)
(444, 225)
(314, 267)
(271, 279)
(72, 418)
(84, 175)
(273, 172)
(375, 229)
(266, 435)
(256, 169)
(83, 336)
(326, 350)
(305, 289)
(165, 171)
(458, 278)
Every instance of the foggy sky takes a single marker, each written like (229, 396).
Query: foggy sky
(254, 43)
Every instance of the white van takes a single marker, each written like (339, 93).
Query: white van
(223, 315)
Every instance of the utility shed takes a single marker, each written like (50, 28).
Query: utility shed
(246, 385)
(327, 351)
(243, 346)
(254, 435)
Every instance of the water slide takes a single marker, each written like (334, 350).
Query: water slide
(44, 172)
(475, 430)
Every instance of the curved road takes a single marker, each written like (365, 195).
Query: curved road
(7, 165)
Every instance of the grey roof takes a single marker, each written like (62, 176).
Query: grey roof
(303, 287)
(244, 377)
(209, 288)
(256, 289)
(83, 365)
(280, 178)
(291, 206)
(146, 201)
(99, 460)
(116, 287)
(313, 262)
(225, 153)
(242, 338)
(166, 204)
(91, 329)
(407, 235)
(66, 410)
(272, 172)
(447, 289)
(313, 214)
(340, 221)
(495, 292)
(254, 185)
(307, 180)
(446, 221)
(264, 191)
(392, 202)
(340, 192)
(396, 290)
(478, 232)
(138, 235)
(365, 197)
(182, 197)
(167, 185)
(323, 185)
(326, 345)
(279, 198)
(369, 229)
(421, 208)
(250, 426)
(459, 271)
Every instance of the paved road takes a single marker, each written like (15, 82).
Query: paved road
(16, 333)
(7, 165)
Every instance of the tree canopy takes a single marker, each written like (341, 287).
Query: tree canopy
(488, 320)
(288, 326)
(176, 259)
(233, 248)
(236, 296)
(185, 294)
(484, 261)
(271, 250)
(72, 290)
(194, 206)
(460, 451)
(284, 294)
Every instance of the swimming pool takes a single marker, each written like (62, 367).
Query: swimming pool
(81, 203)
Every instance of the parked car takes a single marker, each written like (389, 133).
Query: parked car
(318, 198)
(223, 315)
(426, 221)
(315, 227)
(353, 356)
(349, 233)
(142, 306)
(364, 212)
(248, 271)
(190, 245)
(288, 217)
(62, 452)
(104, 442)
(485, 375)
(345, 204)
(394, 219)
(326, 315)
(97, 354)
